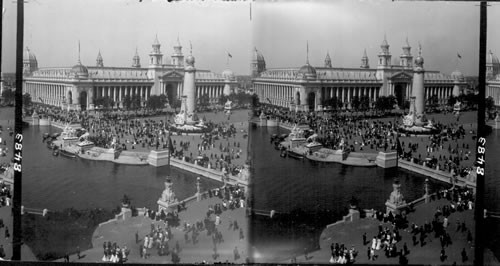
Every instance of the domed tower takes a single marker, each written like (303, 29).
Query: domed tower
(177, 56)
(30, 64)
(258, 63)
(136, 60)
(364, 61)
(307, 72)
(79, 71)
(406, 58)
(328, 60)
(418, 88)
(155, 57)
(492, 65)
(99, 60)
(189, 89)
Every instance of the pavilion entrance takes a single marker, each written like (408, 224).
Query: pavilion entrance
(83, 100)
(311, 101)
(400, 94)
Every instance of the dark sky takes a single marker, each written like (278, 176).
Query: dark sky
(278, 29)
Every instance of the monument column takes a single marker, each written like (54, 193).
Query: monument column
(418, 85)
(190, 87)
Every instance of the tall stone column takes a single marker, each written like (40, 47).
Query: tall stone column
(190, 87)
(418, 87)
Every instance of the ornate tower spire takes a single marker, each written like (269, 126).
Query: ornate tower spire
(328, 60)
(79, 62)
(307, 54)
(406, 58)
(136, 59)
(99, 62)
(384, 56)
(156, 56)
(177, 56)
(364, 61)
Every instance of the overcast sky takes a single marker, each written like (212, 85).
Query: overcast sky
(117, 27)
(346, 28)
(278, 29)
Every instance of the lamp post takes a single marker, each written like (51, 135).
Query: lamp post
(198, 189)
(426, 189)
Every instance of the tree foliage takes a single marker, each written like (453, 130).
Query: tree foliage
(8, 96)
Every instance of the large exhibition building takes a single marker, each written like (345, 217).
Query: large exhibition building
(307, 88)
(76, 88)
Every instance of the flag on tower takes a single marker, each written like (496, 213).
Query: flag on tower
(459, 56)
(228, 54)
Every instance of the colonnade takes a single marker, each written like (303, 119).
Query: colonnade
(283, 95)
(118, 93)
(214, 91)
(56, 94)
(443, 93)
(48, 93)
(345, 94)
(493, 91)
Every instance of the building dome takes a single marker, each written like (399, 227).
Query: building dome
(228, 74)
(190, 60)
(29, 56)
(492, 59)
(307, 71)
(80, 71)
(257, 56)
(457, 75)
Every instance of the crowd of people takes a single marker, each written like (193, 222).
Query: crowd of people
(5, 195)
(229, 198)
(342, 255)
(113, 253)
(336, 130)
(125, 132)
(459, 199)
(445, 150)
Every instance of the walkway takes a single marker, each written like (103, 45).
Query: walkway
(123, 233)
(350, 234)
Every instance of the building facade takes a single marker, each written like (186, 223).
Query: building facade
(77, 87)
(306, 88)
(493, 78)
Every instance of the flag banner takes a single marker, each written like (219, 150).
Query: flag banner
(228, 54)
(459, 56)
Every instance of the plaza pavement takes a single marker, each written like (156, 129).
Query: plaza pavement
(350, 234)
(123, 233)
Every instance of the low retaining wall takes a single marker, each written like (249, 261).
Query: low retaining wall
(434, 174)
(209, 173)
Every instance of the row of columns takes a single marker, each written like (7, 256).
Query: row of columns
(278, 94)
(214, 91)
(118, 93)
(48, 93)
(282, 95)
(494, 92)
(345, 94)
(443, 93)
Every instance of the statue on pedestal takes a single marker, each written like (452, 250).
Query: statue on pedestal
(168, 195)
(396, 199)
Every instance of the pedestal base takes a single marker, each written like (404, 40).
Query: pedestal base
(395, 209)
(166, 207)
(387, 159)
(158, 158)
